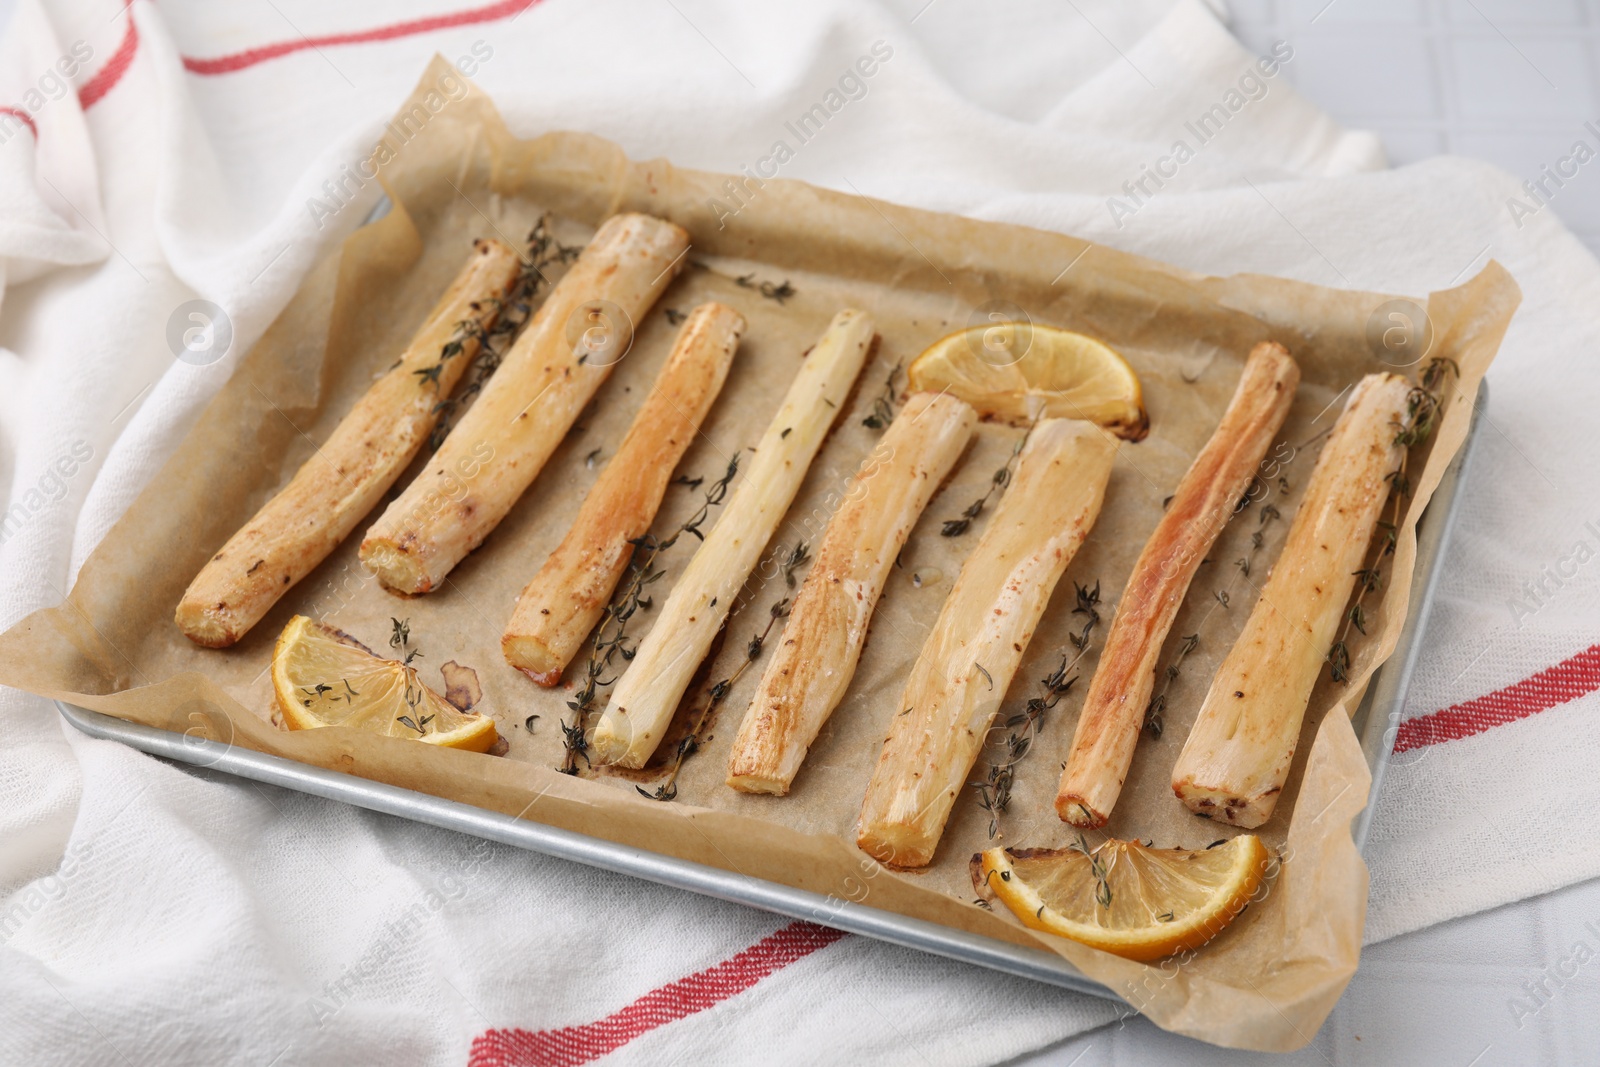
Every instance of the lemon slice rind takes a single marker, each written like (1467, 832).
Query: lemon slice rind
(997, 875)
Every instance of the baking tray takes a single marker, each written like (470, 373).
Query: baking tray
(1375, 722)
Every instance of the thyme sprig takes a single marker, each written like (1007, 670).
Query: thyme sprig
(610, 636)
(515, 311)
(1087, 606)
(780, 292)
(1153, 721)
(797, 557)
(400, 637)
(883, 406)
(465, 330)
(1097, 867)
(416, 724)
(543, 248)
(1257, 538)
(1258, 489)
(994, 792)
(1423, 404)
(997, 483)
(690, 743)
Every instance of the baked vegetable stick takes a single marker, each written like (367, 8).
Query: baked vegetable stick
(644, 699)
(558, 609)
(827, 625)
(1113, 712)
(968, 660)
(1237, 756)
(354, 467)
(500, 445)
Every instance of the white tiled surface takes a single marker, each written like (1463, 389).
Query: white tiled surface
(1508, 81)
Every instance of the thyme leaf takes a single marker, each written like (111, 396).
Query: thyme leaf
(780, 293)
(883, 406)
(800, 555)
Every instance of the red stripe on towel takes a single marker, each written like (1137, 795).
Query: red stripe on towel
(573, 1045)
(250, 57)
(1568, 680)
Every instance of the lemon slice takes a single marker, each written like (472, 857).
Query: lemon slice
(1141, 903)
(325, 677)
(1021, 371)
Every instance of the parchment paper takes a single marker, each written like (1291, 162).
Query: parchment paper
(1265, 983)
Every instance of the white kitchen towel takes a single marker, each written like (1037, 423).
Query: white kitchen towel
(156, 914)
